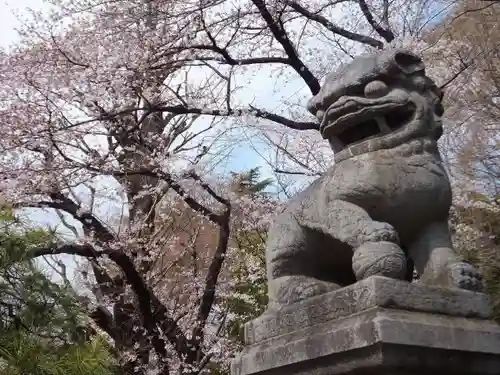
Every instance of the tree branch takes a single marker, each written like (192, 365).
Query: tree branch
(279, 33)
(387, 34)
(208, 296)
(226, 58)
(464, 67)
(297, 173)
(260, 113)
(208, 189)
(183, 109)
(191, 202)
(385, 14)
(149, 304)
(104, 320)
(66, 55)
(365, 39)
(61, 202)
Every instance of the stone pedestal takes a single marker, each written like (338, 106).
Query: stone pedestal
(376, 326)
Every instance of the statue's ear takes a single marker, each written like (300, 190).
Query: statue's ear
(408, 62)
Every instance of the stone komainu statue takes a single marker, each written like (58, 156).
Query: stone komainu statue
(385, 201)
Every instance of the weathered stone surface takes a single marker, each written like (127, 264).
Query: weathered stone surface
(336, 249)
(387, 198)
(382, 340)
(376, 291)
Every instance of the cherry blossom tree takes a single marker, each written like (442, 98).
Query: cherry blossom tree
(116, 115)
(82, 138)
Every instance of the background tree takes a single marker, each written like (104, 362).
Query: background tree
(242, 289)
(476, 229)
(42, 330)
(472, 142)
(248, 266)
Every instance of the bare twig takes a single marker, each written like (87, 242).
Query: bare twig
(182, 109)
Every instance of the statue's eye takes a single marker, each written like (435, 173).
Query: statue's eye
(438, 109)
(376, 89)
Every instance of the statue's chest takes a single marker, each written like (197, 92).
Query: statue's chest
(406, 179)
(400, 190)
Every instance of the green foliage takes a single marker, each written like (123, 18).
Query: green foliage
(248, 271)
(42, 330)
(22, 353)
(249, 183)
(249, 274)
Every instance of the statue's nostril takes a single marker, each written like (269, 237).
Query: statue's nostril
(438, 132)
(376, 89)
(438, 109)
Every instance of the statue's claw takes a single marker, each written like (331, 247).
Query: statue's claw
(464, 275)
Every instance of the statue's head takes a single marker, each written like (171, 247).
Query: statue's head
(378, 102)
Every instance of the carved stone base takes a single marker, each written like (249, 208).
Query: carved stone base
(376, 326)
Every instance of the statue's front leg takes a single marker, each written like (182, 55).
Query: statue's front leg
(438, 264)
(375, 244)
(291, 274)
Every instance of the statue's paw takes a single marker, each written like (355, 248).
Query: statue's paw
(302, 290)
(464, 275)
(308, 290)
(379, 258)
(291, 289)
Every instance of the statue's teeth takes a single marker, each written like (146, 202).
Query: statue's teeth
(382, 124)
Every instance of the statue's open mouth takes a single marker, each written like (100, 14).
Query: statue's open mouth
(355, 120)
